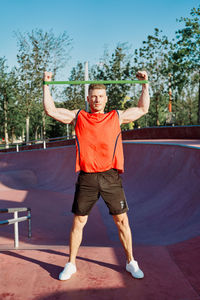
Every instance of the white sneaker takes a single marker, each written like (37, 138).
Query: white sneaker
(134, 269)
(68, 271)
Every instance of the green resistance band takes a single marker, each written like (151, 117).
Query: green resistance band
(97, 82)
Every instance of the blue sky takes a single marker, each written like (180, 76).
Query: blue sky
(91, 24)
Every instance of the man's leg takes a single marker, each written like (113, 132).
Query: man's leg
(125, 236)
(76, 236)
(75, 241)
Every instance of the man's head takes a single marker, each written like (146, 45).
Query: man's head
(97, 98)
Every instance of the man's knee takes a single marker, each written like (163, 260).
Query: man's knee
(121, 220)
(79, 221)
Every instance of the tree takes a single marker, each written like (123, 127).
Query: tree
(38, 51)
(115, 67)
(187, 53)
(187, 106)
(154, 58)
(10, 110)
(74, 94)
(4, 98)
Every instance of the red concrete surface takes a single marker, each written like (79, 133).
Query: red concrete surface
(162, 188)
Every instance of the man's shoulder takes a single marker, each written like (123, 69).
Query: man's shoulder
(113, 112)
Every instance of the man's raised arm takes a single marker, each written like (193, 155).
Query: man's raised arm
(60, 114)
(133, 113)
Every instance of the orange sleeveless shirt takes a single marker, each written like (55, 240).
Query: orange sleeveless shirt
(98, 142)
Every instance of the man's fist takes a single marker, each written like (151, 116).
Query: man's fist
(47, 76)
(142, 75)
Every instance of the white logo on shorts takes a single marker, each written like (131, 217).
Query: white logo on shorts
(123, 204)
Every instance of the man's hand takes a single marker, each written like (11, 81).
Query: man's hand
(142, 75)
(133, 113)
(47, 76)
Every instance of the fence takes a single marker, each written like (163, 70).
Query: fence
(37, 144)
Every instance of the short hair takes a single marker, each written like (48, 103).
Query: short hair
(96, 86)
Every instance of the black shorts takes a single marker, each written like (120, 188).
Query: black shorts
(90, 186)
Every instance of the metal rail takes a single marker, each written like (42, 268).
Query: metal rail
(16, 220)
(17, 146)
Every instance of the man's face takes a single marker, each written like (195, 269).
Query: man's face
(97, 100)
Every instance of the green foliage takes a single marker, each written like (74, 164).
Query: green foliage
(73, 95)
(11, 119)
(186, 58)
(38, 51)
(186, 107)
(188, 44)
(115, 67)
(154, 58)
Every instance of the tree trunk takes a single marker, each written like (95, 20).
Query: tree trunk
(36, 133)
(27, 128)
(157, 117)
(23, 135)
(190, 111)
(6, 122)
(67, 127)
(43, 125)
(199, 101)
(13, 137)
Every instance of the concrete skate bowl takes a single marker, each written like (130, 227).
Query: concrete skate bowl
(162, 186)
(164, 181)
(44, 181)
(161, 182)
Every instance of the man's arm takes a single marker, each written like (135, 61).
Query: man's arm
(134, 113)
(60, 114)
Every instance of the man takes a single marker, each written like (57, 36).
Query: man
(99, 158)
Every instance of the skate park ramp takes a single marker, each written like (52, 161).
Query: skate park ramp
(162, 186)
